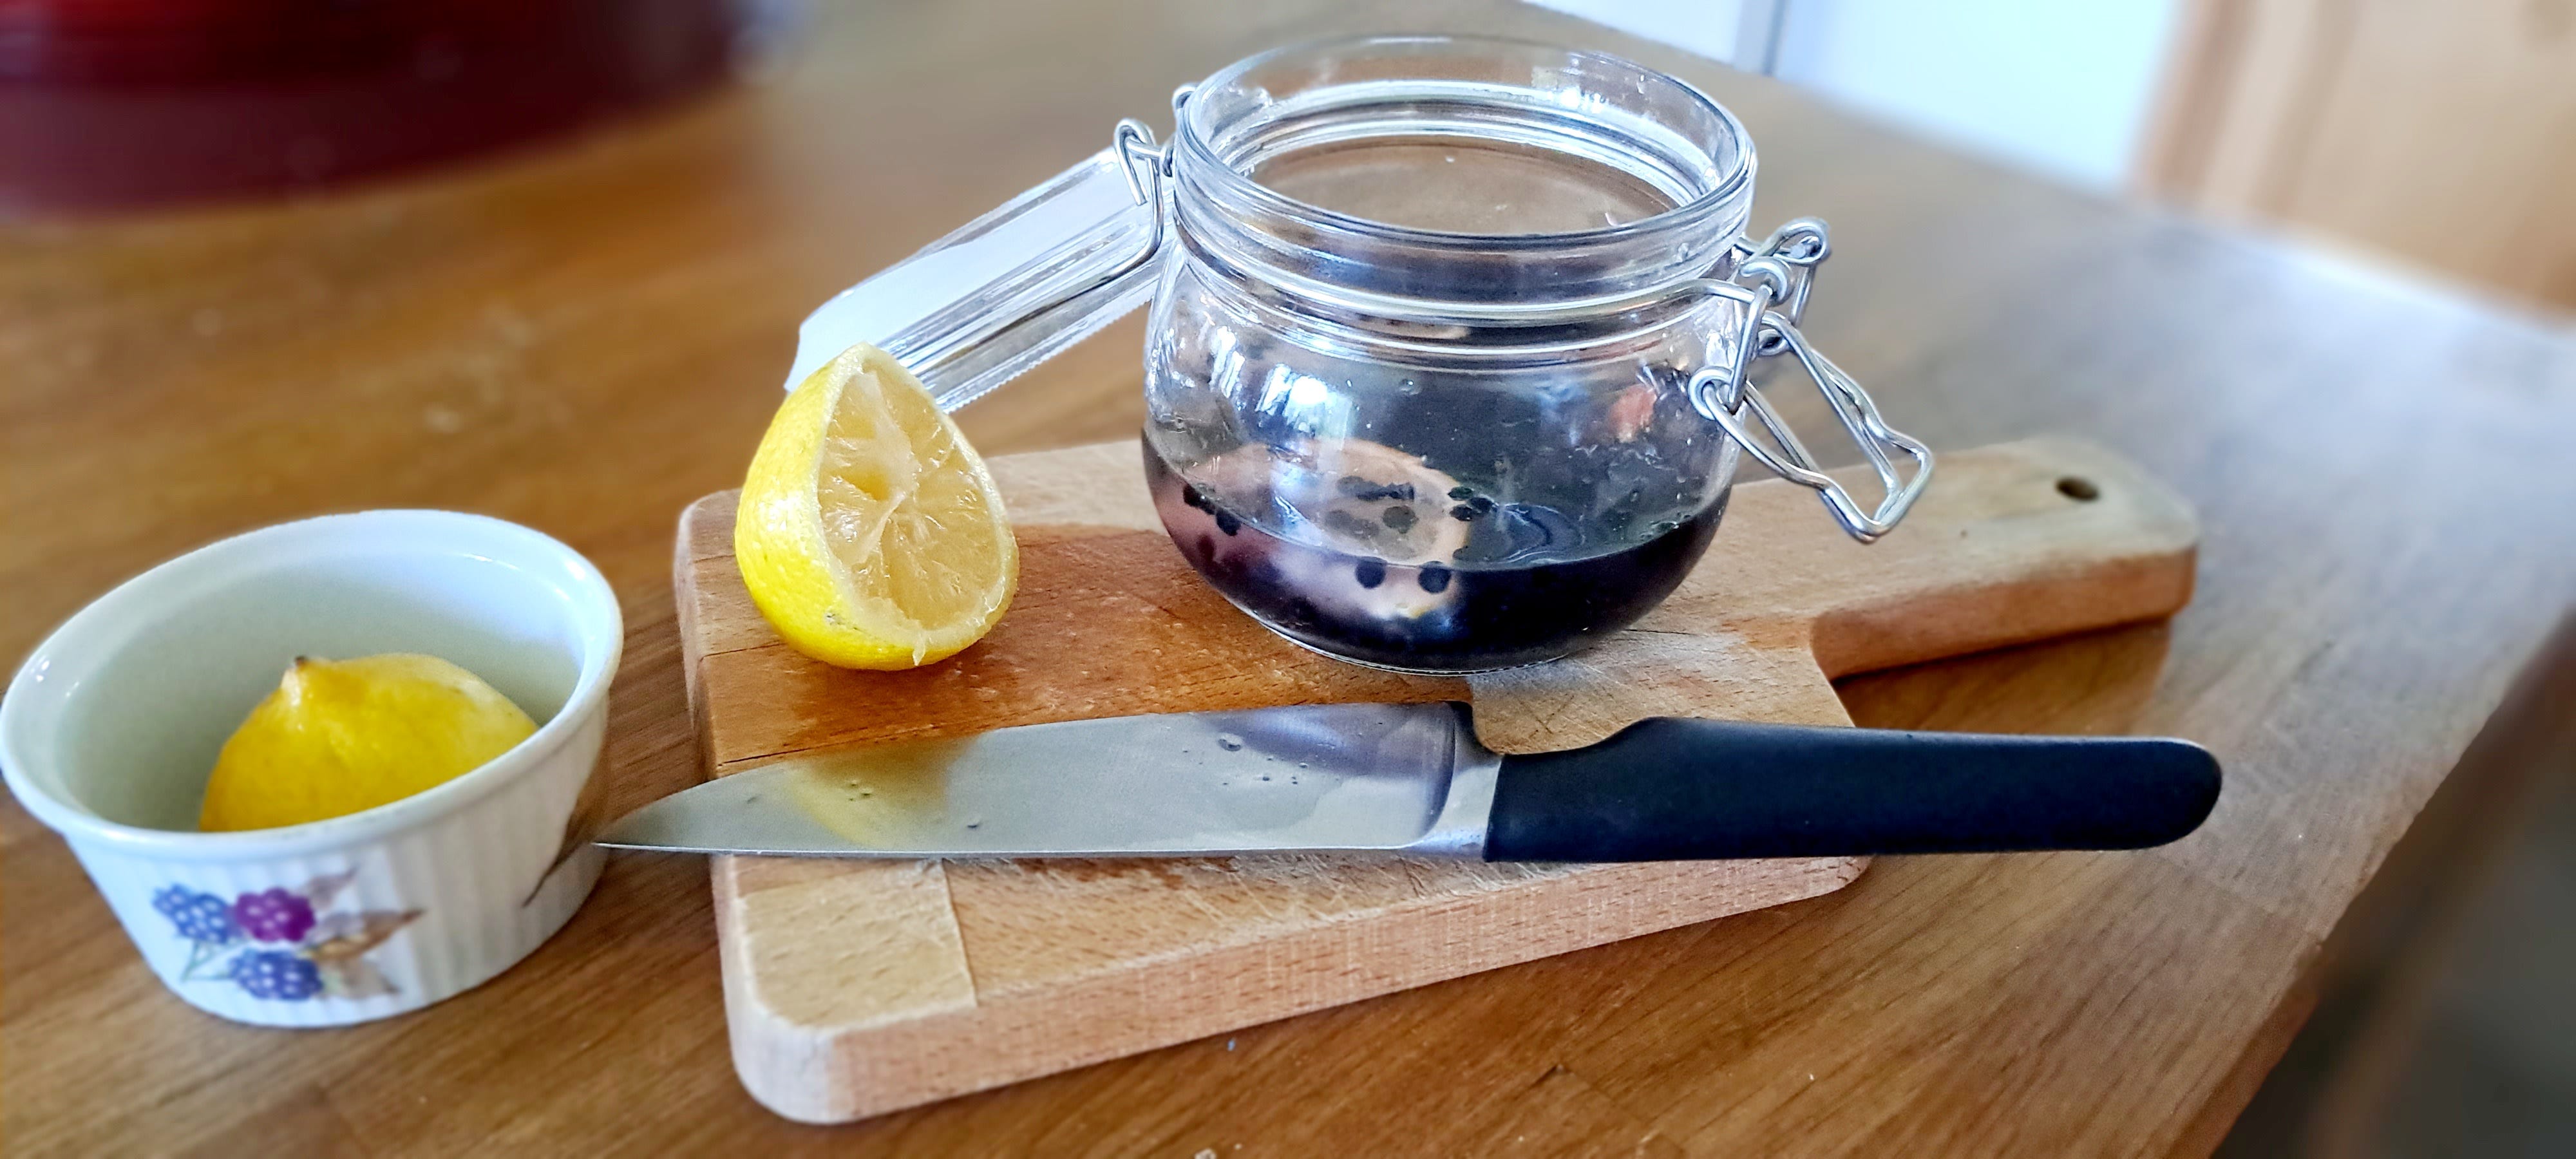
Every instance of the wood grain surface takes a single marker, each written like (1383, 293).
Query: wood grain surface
(855, 988)
(588, 339)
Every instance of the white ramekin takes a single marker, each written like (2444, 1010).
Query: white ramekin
(109, 731)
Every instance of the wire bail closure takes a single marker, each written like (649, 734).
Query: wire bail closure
(1772, 281)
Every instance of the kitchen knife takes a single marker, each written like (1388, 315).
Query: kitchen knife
(1410, 779)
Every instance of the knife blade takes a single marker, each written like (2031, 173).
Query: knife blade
(1411, 780)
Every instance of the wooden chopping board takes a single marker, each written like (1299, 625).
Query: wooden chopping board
(853, 988)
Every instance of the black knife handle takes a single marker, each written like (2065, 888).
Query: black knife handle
(1669, 789)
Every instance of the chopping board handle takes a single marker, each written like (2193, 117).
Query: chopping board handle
(2019, 542)
(1670, 789)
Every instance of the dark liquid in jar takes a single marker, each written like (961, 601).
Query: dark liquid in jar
(1520, 592)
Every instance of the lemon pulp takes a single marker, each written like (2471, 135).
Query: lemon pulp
(869, 533)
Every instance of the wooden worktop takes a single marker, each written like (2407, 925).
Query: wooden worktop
(586, 338)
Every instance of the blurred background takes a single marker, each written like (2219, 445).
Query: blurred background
(2433, 138)
(2439, 134)
(124, 103)
(2435, 134)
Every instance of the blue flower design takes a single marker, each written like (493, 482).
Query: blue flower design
(202, 918)
(278, 974)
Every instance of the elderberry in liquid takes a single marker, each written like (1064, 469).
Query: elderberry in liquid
(1520, 586)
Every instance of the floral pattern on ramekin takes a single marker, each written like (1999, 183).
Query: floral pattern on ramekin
(289, 947)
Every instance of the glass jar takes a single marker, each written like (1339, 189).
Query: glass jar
(1447, 365)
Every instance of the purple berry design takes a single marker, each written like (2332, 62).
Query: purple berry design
(306, 954)
(202, 918)
(274, 915)
(277, 974)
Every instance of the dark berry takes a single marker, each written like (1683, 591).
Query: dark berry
(1462, 512)
(200, 917)
(277, 974)
(274, 915)
(1370, 573)
(1227, 523)
(1398, 517)
(1369, 492)
(1461, 492)
(1435, 579)
(1481, 503)
(1196, 496)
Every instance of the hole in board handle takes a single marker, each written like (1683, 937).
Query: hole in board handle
(2078, 488)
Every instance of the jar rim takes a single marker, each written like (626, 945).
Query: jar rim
(1193, 131)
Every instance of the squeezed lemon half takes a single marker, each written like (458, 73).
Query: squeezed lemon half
(869, 533)
(338, 736)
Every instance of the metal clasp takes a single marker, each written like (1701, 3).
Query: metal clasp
(1134, 142)
(1776, 277)
(1143, 160)
(1788, 259)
